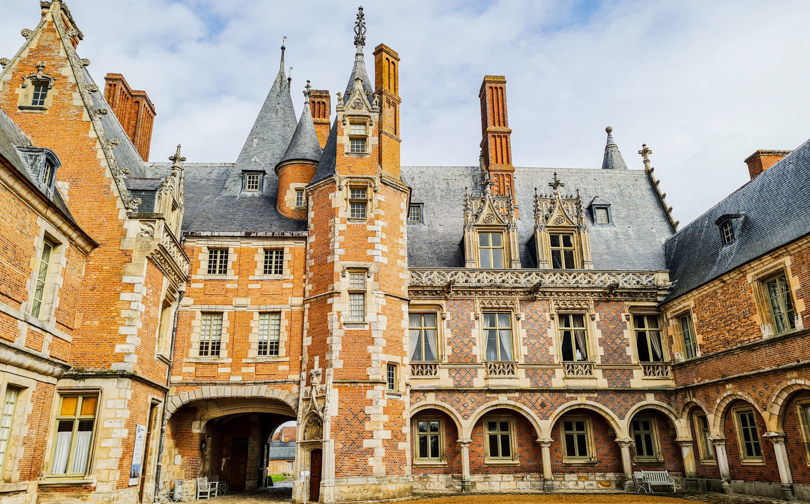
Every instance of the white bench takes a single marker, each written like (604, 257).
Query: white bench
(645, 480)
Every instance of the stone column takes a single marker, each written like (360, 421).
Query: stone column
(722, 462)
(627, 462)
(689, 465)
(782, 462)
(466, 484)
(548, 476)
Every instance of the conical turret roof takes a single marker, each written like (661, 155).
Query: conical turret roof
(613, 159)
(359, 72)
(304, 144)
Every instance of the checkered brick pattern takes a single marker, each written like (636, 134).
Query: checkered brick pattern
(540, 378)
(351, 423)
(462, 377)
(460, 325)
(618, 377)
(465, 403)
(528, 450)
(619, 402)
(612, 325)
(542, 403)
(536, 326)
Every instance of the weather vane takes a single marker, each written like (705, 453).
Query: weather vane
(360, 28)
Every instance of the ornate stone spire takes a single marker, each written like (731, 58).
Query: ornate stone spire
(360, 29)
(177, 159)
(281, 65)
(359, 70)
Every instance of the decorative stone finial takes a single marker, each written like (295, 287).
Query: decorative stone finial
(609, 130)
(308, 91)
(645, 153)
(281, 65)
(177, 158)
(4, 62)
(556, 184)
(26, 33)
(360, 29)
(289, 76)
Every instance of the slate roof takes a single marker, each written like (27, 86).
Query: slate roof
(633, 241)
(282, 450)
(209, 209)
(777, 211)
(304, 144)
(268, 139)
(613, 159)
(327, 165)
(11, 138)
(359, 71)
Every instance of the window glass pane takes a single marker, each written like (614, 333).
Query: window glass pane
(578, 320)
(496, 239)
(555, 240)
(89, 406)
(434, 447)
(492, 426)
(423, 447)
(497, 258)
(582, 445)
(483, 239)
(567, 347)
(434, 426)
(643, 350)
(493, 446)
(69, 406)
(503, 320)
(601, 216)
(506, 447)
(422, 426)
(569, 258)
(567, 240)
(485, 260)
(430, 320)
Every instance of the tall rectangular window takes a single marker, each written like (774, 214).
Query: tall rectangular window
(252, 182)
(415, 214)
(210, 335)
(498, 332)
(704, 437)
(357, 297)
(74, 434)
(428, 440)
(299, 198)
(422, 328)
(358, 202)
(688, 335)
(391, 376)
(269, 334)
(575, 435)
(728, 233)
(39, 95)
(42, 277)
(490, 250)
(648, 338)
(6, 422)
(499, 438)
(217, 261)
(164, 329)
(574, 337)
(780, 304)
(562, 251)
(273, 261)
(748, 435)
(643, 432)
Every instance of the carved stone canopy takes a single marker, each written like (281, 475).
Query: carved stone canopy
(39, 76)
(558, 210)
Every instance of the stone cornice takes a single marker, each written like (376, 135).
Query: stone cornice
(30, 360)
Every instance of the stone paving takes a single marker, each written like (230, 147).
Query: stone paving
(282, 493)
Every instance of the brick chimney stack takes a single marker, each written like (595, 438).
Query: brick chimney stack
(134, 110)
(496, 144)
(761, 160)
(321, 106)
(386, 85)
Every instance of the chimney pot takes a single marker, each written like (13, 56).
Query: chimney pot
(134, 110)
(761, 160)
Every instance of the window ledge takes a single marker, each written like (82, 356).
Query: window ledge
(393, 393)
(752, 462)
(355, 325)
(515, 462)
(581, 462)
(53, 483)
(270, 277)
(356, 221)
(21, 486)
(206, 276)
(162, 358)
(657, 461)
(708, 462)
(208, 360)
(33, 108)
(267, 358)
(430, 464)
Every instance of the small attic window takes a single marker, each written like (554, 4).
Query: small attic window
(36, 88)
(601, 215)
(729, 225)
(47, 173)
(415, 214)
(252, 182)
(728, 232)
(39, 94)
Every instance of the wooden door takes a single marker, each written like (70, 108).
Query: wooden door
(239, 457)
(315, 476)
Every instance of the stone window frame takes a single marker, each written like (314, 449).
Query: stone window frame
(591, 458)
(300, 194)
(391, 386)
(55, 276)
(194, 336)
(246, 179)
(352, 200)
(500, 461)
(286, 265)
(678, 338)
(657, 456)
(202, 271)
(590, 335)
(370, 287)
(641, 311)
(283, 334)
(737, 412)
(803, 414)
(702, 441)
(760, 290)
(358, 136)
(429, 462)
(606, 208)
(26, 90)
(490, 231)
(268, 251)
(429, 309)
(168, 301)
(50, 451)
(15, 450)
(357, 290)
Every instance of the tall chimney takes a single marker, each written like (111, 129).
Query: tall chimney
(134, 110)
(386, 85)
(761, 160)
(496, 144)
(321, 106)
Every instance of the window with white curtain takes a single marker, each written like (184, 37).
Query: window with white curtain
(74, 435)
(498, 333)
(423, 337)
(648, 338)
(574, 336)
(7, 421)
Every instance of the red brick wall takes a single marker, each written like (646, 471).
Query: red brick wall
(606, 450)
(767, 472)
(452, 450)
(704, 470)
(528, 450)
(795, 443)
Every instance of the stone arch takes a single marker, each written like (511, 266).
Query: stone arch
(781, 400)
(444, 408)
(231, 392)
(311, 428)
(602, 410)
(688, 405)
(468, 426)
(722, 406)
(234, 405)
(680, 426)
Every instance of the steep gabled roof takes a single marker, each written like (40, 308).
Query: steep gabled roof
(327, 165)
(776, 208)
(359, 72)
(304, 145)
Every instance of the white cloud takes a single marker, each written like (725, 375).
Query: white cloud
(704, 84)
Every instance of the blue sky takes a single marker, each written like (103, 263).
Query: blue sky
(704, 84)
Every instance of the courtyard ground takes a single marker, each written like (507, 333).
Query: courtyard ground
(283, 490)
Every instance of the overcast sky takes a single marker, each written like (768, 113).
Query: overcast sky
(704, 84)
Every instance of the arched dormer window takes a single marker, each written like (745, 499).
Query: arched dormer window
(37, 86)
(42, 164)
(561, 230)
(490, 231)
(730, 226)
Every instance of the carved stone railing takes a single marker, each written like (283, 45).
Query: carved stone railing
(501, 368)
(574, 369)
(547, 279)
(656, 369)
(424, 369)
(165, 251)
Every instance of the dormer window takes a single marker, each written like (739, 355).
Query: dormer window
(562, 250)
(39, 94)
(729, 226)
(601, 215)
(47, 173)
(727, 232)
(253, 182)
(415, 214)
(37, 85)
(358, 133)
(490, 250)
(43, 165)
(561, 238)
